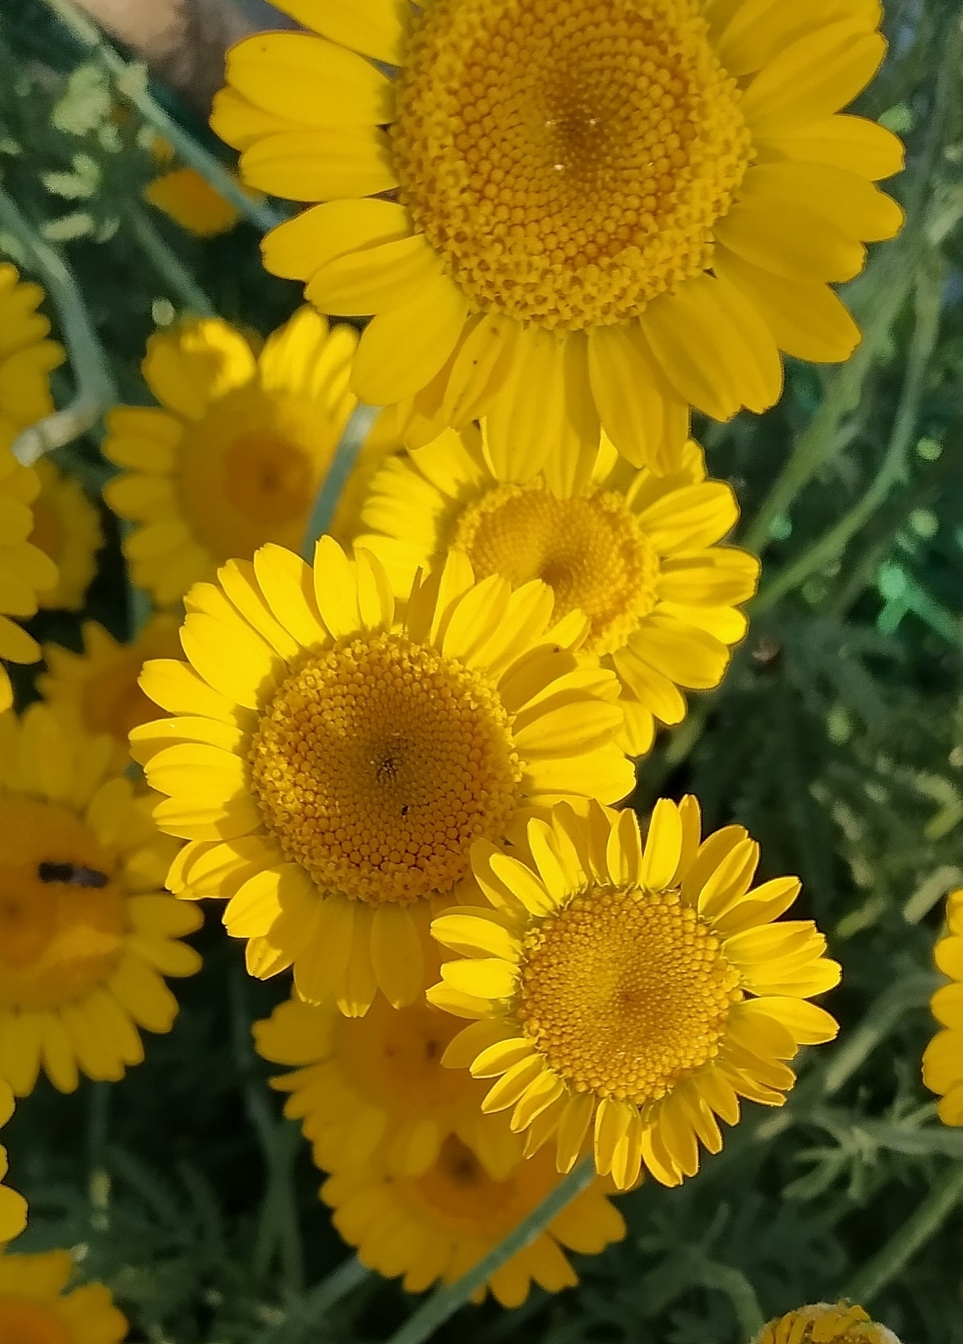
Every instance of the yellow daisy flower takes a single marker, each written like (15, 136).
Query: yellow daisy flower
(376, 1084)
(331, 766)
(235, 457)
(66, 527)
(99, 689)
(441, 1223)
(86, 933)
(36, 1309)
(826, 1323)
(13, 1207)
(634, 551)
(26, 359)
(632, 992)
(569, 223)
(943, 1058)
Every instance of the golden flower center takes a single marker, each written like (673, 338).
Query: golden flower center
(824, 1323)
(458, 1192)
(26, 1322)
(62, 916)
(590, 550)
(378, 764)
(626, 992)
(266, 478)
(393, 1055)
(568, 160)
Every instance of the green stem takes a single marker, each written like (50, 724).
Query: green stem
(740, 1292)
(131, 84)
(345, 456)
(96, 392)
(833, 542)
(873, 1277)
(882, 1016)
(169, 266)
(306, 1313)
(446, 1301)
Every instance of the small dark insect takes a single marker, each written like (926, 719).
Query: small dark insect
(404, 809)
(72, 874)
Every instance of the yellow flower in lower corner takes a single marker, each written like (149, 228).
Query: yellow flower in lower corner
(376, 1084)
(637, 553)
(943, 1059)
(86, 933)
(825, 1323)
(36, 1308)
(99, 688)
(26, 359)
(13, 1207)
(566, 224)
(630, 993)
(439, 1224)
(235, 457)
(331, 765)
(66, 527)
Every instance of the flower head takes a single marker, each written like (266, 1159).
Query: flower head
(375, 1087)
(635, 552)
(13, 1207)
(26, 359)
(36, 1309)
(943, 1059)
(98, 689)
(825, 1323)
(235, 457)
(437, 1225)
(570, 223)
(66, 527)
(86, 932)
(332, 765)
(631, 992)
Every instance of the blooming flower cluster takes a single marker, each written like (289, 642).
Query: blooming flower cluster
(403, 753)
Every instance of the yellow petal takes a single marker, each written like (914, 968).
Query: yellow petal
(321, 165)
(813, 78)
(301, 246)
(402, 349)
(309, 81)
(373, 27)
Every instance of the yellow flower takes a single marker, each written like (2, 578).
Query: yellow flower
(35, 1309)
(376, 1084)
(98, 689)
(636, 552)
(439, 1224)
(86, 933)
(943, 1058)
(66, 527)
(13, 1207)
(826, 1323)
(569, 223)
(235, 457)
(636, 993)
(335, 764)
(190, 201)
(26, 359)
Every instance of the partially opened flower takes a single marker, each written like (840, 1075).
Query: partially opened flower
(826, 1323)
(26, 359)
(627, 996)
(376, 1085)
(943, 1059)
(436, 1226)
(36, 1308)
(634, 551)
(237, 454)
(66, 527)
(98, 689)
(332, 766)
(13, 1207)
(87, 934)
(565, 222)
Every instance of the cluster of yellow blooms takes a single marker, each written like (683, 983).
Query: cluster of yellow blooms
(403, 766)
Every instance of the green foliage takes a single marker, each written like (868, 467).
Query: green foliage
(837, 738)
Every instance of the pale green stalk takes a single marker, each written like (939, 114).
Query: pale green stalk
(345, 455)
(169, 267)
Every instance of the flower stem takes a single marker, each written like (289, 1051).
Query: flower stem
(911, 1237)
(345, 456)
(168, 266)
(130, 81)
(446, 1301)
(311, 1308)
(95, 381)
